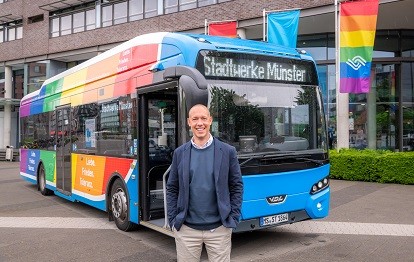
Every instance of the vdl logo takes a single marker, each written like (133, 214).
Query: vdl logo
(276, 199)
(356, 63)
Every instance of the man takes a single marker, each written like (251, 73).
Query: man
(204, 192)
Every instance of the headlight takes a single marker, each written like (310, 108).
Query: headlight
(320, 185)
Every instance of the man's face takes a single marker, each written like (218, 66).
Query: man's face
(199, 120)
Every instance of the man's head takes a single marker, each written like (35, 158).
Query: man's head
(199, 120)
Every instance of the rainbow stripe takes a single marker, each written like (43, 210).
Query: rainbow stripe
(358, 22)
(111, 74)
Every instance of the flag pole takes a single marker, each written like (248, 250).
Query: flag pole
(264, 25)
(342, 99)
(337, 80)
(205, 26)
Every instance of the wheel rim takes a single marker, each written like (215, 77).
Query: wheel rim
(119, 205)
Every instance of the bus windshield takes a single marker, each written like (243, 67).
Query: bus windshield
(259, 117)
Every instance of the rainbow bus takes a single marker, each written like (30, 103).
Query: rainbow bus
(103, 132)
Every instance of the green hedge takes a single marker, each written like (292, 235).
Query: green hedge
(373, 165)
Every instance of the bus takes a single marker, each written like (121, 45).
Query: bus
(103, 132)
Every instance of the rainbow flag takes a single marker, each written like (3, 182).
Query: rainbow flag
(358, 21)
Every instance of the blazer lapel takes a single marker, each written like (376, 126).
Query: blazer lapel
(186, 165)
(218, 157)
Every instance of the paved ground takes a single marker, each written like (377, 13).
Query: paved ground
(367, 222)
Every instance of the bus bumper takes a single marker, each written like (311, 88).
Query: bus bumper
(318, 204)
(254, 224)
(316, 207)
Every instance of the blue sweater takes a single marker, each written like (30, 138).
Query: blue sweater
(203, 212)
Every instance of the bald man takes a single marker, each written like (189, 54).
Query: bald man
(204, 192)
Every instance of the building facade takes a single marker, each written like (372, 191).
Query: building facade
(39, 39)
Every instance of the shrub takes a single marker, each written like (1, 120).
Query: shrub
(373, 165)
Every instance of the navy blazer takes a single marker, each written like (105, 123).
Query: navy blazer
(228, 181)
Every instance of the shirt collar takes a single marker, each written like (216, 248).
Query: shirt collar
(209, 142)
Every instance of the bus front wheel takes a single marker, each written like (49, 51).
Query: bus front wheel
(120, 206)
(42, 182)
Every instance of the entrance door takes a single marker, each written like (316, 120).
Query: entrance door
(158, 131)
(63, 150)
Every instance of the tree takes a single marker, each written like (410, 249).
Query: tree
(235, 115)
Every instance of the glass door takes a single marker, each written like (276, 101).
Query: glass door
(63, 150)
(158, 137)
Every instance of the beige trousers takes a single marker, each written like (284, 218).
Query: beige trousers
(189, 244)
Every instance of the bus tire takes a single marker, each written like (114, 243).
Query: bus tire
(120, 206)
(41, 181)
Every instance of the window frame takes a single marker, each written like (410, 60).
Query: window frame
(135, 10)
(58, 18)
(7, 28)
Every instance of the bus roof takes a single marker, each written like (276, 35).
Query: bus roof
(137, 57)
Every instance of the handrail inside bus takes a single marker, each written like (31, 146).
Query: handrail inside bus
(164, 189)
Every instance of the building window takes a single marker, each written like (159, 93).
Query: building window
(36, 76)
(18, 90)
(206, 2)
(136, 10)
(123, 12)
(107, 15)
(407, 84)
(315, 45)
(172, 6)
(78, 22)
(65, 24)
(90, 20)
(407, 43)
(11, 31)
(55, 28)
(187, 4)
(83, 18)
(120, 13)
(151, 8)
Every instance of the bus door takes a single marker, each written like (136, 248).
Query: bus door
(63, 150)
(158, 133)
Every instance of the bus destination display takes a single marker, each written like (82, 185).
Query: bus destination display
(288, 70)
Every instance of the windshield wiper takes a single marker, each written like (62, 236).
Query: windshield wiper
(252, 156)
(318, 162)
(280, 156)
(248, 160)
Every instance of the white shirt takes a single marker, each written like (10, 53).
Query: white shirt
(209, 142)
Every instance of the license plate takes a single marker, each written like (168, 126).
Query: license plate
(272, 220)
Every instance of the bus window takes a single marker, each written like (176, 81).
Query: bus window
(254, 118)
(161, 141)
(84, 125)
(116, 128)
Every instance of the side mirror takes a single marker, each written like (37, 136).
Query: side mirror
(193, 94)
(192, 82)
